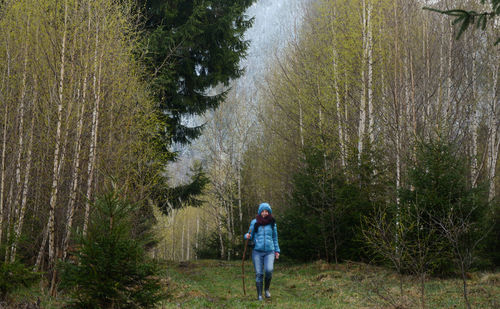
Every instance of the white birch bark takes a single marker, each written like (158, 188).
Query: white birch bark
(14, 208)
(182, 239)
(78, 148)
(75, 176)
(227, 207)
(474, 113)
(427, 58)
(20, 220)
(301, 123)
(188, 239)
(238, 168)
(2, 180)
(439, 107)
(449, 84)
(55, 177)
(9, 218)
(197, 235)
(22, 110)
(369, 60)
(340, 125)
(42, 248)
(397, 112)
(219, 230)
(4, 147)
(19, 224)
(494, 141)
(94, 133)
(362, 107)
(413, 109)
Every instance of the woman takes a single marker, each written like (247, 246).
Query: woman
(264, 234)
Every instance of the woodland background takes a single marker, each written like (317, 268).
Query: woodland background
(373, 133)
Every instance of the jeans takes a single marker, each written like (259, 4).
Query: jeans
(263, 261)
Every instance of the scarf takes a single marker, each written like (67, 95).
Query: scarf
(261, 221)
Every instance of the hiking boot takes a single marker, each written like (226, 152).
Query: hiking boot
(266, 289)
(259, 290)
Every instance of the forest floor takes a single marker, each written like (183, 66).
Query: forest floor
(218, 284)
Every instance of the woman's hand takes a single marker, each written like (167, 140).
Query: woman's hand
(247, 236)
(277, 255)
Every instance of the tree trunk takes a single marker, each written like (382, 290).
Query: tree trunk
(42, 248)
(413, 110)
(369, 60)
(474, 113)
(19, 226)
(301, 125)
(449, 99)
(95, 126)
(188, 239)
(227, 206)
(78, 146)
(9, 218)
(362, 107)
(219, 230)
(340, 121)
(439, 107)
(20, 149)
(240, 213)
(197, 233)
(493, 133)
(2, 180)
(55, 177)
(75, 176)
(182, 239)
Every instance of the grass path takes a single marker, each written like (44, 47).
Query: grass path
(218, 284)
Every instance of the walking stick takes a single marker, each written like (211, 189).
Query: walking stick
(243, 265)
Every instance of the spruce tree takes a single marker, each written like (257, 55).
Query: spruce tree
(188, 48)
(110, 268)
(443, 202)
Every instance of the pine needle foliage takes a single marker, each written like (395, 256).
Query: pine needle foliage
(465, 18)
(111, 269)
(448, 207)
(13, 276)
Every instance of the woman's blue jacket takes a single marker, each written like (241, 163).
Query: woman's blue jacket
(266, 237)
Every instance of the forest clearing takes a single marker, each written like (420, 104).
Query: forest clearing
(146, 144)
(218, 284)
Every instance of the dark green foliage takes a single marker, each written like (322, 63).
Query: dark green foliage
(110, 268)
(14, 276)
(189, 47)
(467, 18)
(210, 246)
(442, 204)
(323, 221)
(491, 250)
(181, 195)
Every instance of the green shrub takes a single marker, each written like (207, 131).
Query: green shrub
(111, 269)
(440, 197)
(13, 276)
(326, 206)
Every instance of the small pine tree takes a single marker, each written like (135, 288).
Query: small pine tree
(446, 203)
(111, 269)
(13, 276)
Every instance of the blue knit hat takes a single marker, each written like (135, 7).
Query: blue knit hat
(264, 206)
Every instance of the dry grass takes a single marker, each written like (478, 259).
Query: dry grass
(214, 284)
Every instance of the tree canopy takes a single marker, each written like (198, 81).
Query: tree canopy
(190, 47)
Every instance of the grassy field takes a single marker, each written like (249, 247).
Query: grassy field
(218, 284)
